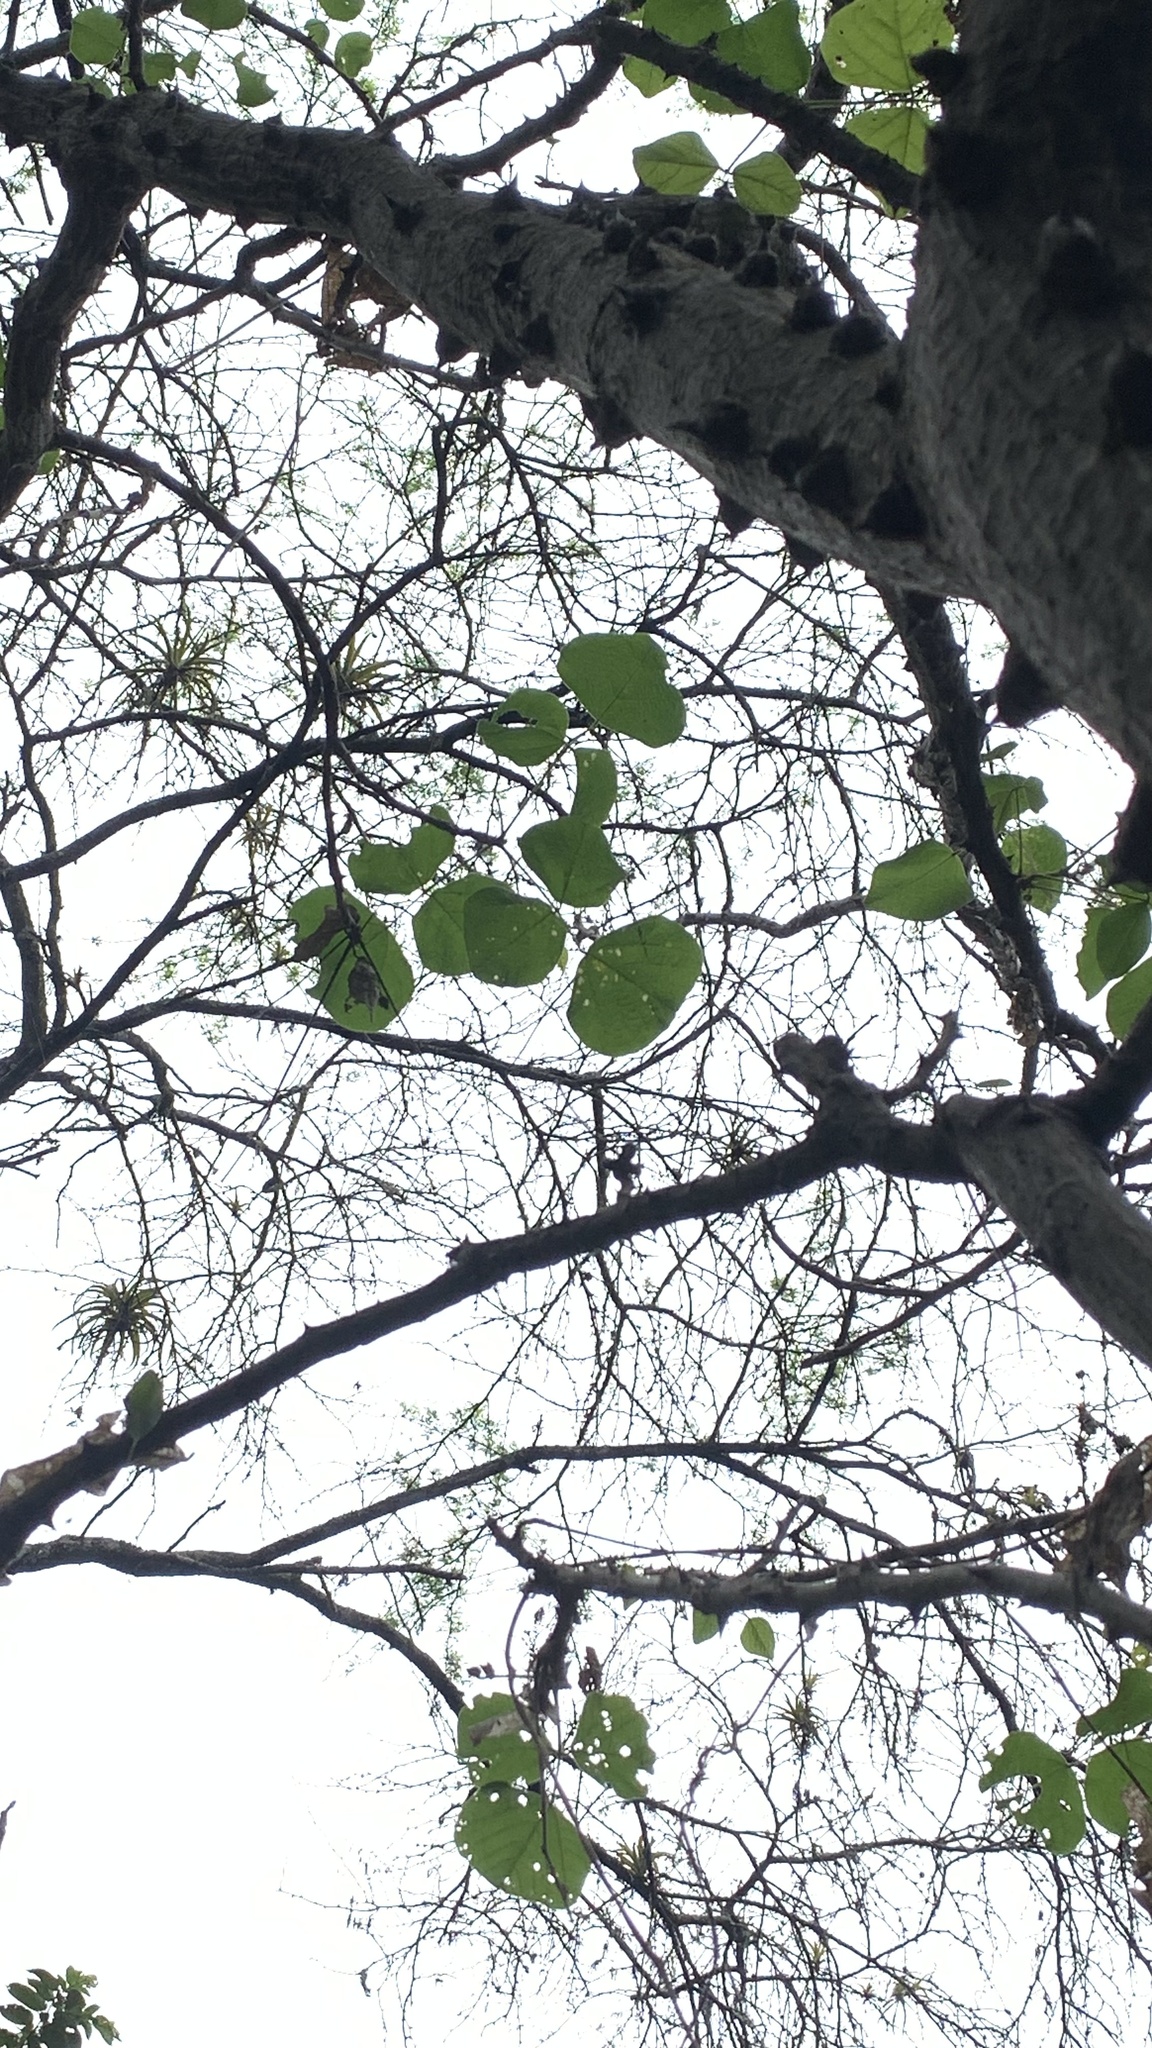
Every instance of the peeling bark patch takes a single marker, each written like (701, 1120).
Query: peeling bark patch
(1077, 274)
(968, 167)
(610, 424)
(645, 311)
(1129, 403)
(734, 518)
(760, 271)
(827, 484)
(726, 432)
(538, 337)
(1022, 693)
(812, 310)
(942, 69)
(896, 515)
(788, 456)
(857, 335)
(617, 236)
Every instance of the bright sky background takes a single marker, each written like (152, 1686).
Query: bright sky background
(176, 1750)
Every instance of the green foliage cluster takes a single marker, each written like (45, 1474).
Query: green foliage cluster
(631, 981)
(1116, 1779)
(98, 41)
(53, 2012)
(868, 45)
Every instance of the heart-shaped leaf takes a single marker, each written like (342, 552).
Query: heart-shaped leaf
(573, 860)
(527, 728)
(631, 983)
(926, 882)
(620, 680)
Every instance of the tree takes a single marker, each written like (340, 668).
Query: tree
(753, 1289)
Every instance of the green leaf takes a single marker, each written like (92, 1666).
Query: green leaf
(713, 102)
(318, 32)
(384, 868)
(48, 460)
(1123, 1767)
(527, 728)
(1121, 939)
(492, 1739)
(647, 78)
(342, 10)
(1088, 970)
(1129, 1707)
(509, 1838)
(1039, 856)
(160, 67)
(252, 88)
(143, 1406)
(353, 53)
(686, 21)
(619, 679)
(677, 164)
(1057, 1811)
(766, 184)
(926, 882)
(438, 926)
(704, 1626)
(363, 979)
(573, 860)
(631, 983)
(757, 1637)
(97, 37)
(511, 941)
(870, 42)
(611, 1743)
(189, 64)
(596, 784)
(770, 47)
(1128, 998)
(215, 14)
(899, 132)
(1010, 795)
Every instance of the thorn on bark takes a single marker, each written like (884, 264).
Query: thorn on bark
(618, 235)
(509, 199)
(1077, 274)
(450, 346)
(801, 557)
(733, 517)
(941, 69)
(610, 425)
(642, 259)
(1129, 402)
(856, 335)
(760, 271)
(704, 248)
(896, 515)
(812, 310)
(1021, 692)
(967, 166)
(827, 484)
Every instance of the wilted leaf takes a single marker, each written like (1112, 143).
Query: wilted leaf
(596, 784)
(143, 1406)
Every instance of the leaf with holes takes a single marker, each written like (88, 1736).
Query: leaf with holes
(96, 37)
(770, 47)
(512, 941)
(1124, 1767)
(926, 882)
(765, 184)
(872, 41)
(507, 1836)
(573, 860)
(1039, 856)
(215, 14)
(386, 869)
(620, 679)
(899, 132)
(252, 88)
(1129, 1707)
(757, 1637)
(492, 1739)
(527, 728)
(596, 784)
(679, 164)
(1057, 1810)
(631, 983)
(611, 1743)
(363, 979)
